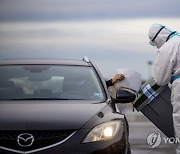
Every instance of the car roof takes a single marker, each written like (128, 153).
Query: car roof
(43, 62)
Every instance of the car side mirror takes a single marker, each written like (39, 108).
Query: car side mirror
(125, 95)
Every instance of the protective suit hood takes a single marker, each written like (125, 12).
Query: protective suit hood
(158, 34)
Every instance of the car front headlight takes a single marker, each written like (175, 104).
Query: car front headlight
(103, 131)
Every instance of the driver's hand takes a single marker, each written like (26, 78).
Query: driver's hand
(117, 77)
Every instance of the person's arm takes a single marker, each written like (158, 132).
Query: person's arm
(109, 83)
(115, 79)
(164, 64)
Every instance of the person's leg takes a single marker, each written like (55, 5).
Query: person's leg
(175, 98)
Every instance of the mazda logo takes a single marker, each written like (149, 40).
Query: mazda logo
(25, 140)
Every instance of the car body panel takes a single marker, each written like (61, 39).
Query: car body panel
(77, 116)
(40, 115)
(43, 62)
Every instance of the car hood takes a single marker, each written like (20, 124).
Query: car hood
(46, 115)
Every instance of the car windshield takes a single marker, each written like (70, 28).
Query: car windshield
(51, 82)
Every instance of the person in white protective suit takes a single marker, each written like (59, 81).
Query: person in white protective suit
(167, 67)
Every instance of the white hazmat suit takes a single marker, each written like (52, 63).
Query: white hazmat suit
(167, 65)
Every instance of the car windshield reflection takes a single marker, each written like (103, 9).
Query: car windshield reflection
(49, 82)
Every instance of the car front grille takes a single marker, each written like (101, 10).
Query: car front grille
(23, 141)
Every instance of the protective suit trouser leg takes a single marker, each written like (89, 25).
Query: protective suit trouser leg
(175, 99)
(177, 131)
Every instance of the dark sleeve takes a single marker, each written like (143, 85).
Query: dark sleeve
(109, 83)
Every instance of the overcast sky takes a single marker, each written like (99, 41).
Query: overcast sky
(86, 9)
(113, 33)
